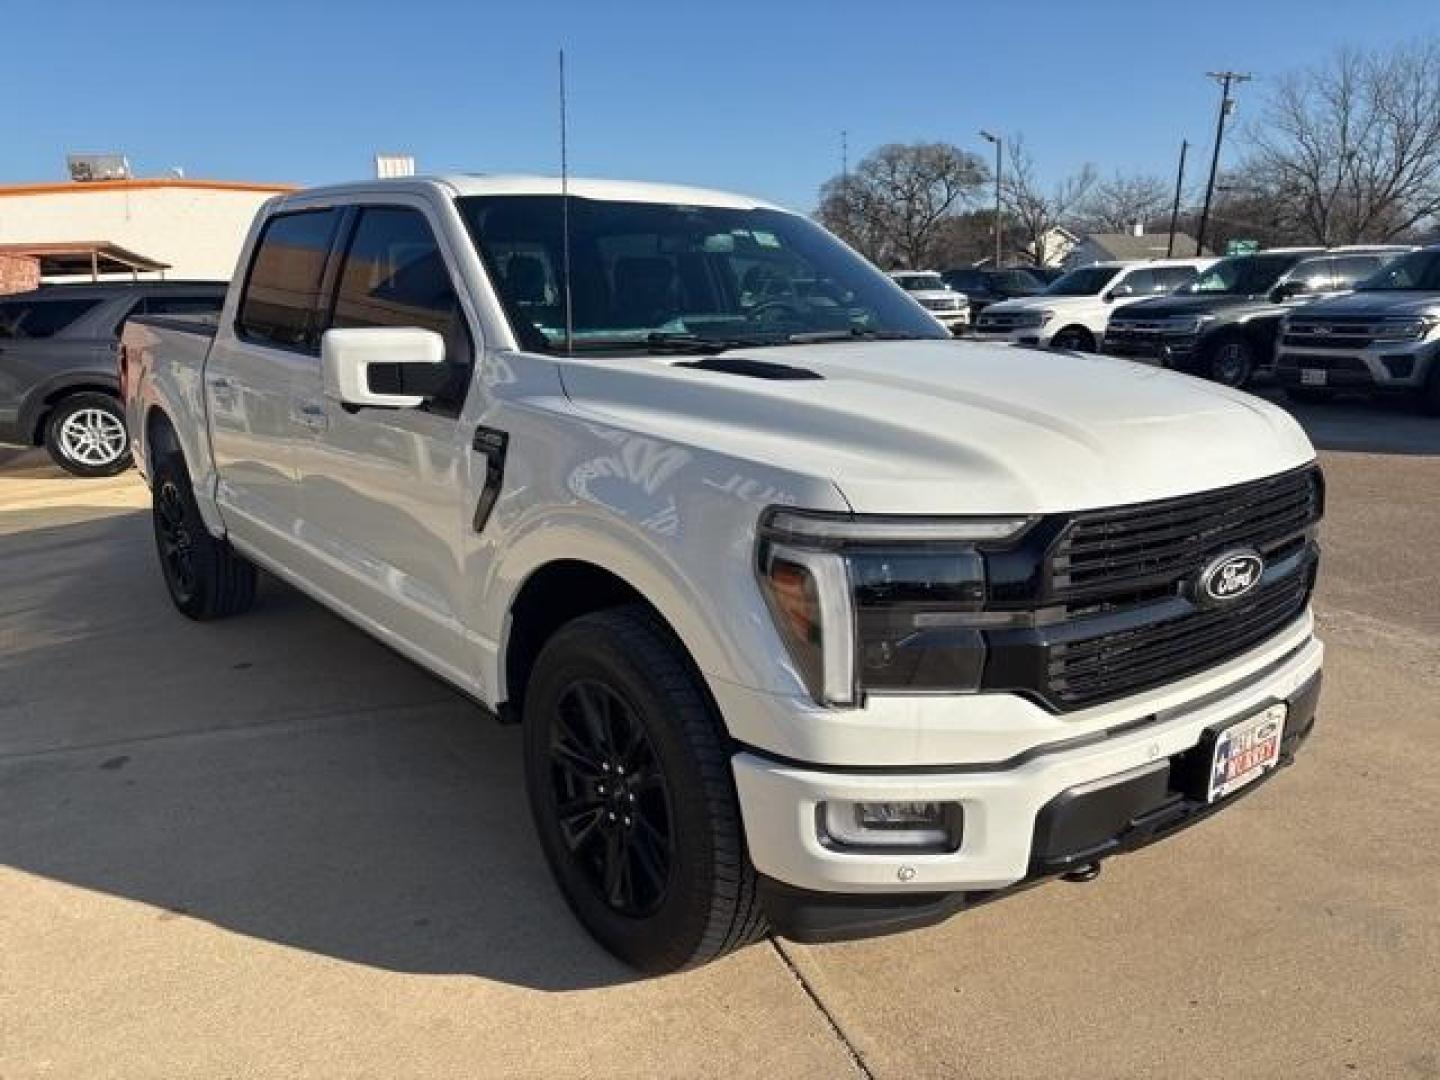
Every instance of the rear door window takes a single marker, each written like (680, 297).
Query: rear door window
(281, 302)
(1139, 283)
(40, 318)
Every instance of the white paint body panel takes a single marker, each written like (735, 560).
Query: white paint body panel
(658, 473)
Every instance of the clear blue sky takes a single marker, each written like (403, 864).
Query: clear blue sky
(730, 93)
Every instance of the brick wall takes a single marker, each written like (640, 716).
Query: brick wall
(18, 273)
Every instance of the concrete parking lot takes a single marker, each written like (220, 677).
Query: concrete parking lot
(270, 846)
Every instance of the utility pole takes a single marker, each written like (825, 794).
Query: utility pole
(1225, 79)
(1175, 209)
(999, 148)
(845, 157)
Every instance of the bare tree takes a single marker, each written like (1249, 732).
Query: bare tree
(1350, 150)
(892, 207)
(1115, 205)
(1035, 209)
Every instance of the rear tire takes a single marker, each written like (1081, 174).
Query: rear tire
(206, 578)
(85, 435)
(628, 773)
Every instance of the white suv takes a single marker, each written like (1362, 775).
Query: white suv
(949, 308)
(1073, 311)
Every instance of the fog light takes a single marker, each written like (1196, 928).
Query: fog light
(1399, 365)
(924, 826)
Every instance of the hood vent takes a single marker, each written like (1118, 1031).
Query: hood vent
(755, 369)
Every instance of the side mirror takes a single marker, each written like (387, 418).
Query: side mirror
(1287, 290)
(390, 367)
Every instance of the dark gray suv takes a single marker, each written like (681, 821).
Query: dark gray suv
(59, 387)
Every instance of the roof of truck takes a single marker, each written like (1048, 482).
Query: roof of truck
(581, 187)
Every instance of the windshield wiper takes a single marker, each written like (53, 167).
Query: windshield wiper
(855, 333)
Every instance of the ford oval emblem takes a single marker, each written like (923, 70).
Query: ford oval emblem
(1230, 576)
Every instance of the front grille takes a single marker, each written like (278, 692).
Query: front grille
(1116, 590)
(1004, 322)
(1128, 661)
(1333, 333)
(942, 304)
(1109, 559)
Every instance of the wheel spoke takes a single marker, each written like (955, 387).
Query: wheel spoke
(580, 825)
(614, 882)
(573, 759)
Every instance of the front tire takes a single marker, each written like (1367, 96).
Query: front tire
(1073, 338)
(629, 780)
(206, 578)
(1231, 362)
(85, 435)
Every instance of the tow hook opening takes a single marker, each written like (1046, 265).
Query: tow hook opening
(1082, 874)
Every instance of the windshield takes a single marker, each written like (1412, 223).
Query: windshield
(1417, 272)
(1243, 275)
(650, 273)
(920, 282)
(1086, 281)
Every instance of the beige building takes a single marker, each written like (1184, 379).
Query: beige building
(104, 228)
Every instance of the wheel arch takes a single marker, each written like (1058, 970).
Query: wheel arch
(45, 398)
(552, 594)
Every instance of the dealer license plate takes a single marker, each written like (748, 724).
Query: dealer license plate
(1246, 751)
(1312, 376)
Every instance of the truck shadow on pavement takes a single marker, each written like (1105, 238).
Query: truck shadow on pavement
(279, 775)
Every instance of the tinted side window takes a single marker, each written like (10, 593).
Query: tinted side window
(40, 318)
(1139, 282)
(281, 301)
(1352, 268)
(394, 275)
(1175, 277)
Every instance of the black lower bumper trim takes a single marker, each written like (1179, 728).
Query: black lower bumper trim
(1076, 829)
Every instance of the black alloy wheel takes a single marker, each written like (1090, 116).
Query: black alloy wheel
(610, 797)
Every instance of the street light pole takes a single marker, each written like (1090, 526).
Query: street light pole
(1225, 79)
(999, 146)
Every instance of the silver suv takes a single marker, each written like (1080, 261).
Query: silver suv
(59, 384)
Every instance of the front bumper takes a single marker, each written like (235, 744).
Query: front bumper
(1397, 366)
(1023, 819)
(1167, 350)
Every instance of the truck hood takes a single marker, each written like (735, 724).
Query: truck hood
(944, 427)
(1378, 302)
(1164, 307)
(1039, 303)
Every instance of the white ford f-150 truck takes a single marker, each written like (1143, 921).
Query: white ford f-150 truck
(816, 620)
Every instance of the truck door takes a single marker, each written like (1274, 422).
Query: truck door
(253, 370)
(383, 491)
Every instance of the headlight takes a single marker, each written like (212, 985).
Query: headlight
(1412, 329)
(883, 604)
(1191, 324)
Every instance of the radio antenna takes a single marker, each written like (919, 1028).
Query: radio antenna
(565, 213)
